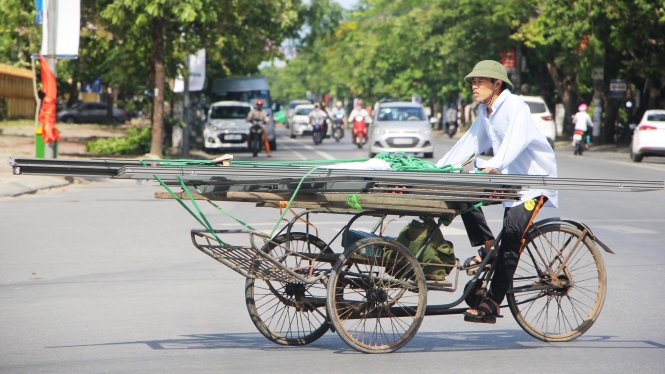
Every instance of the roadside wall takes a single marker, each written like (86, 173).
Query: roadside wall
(17, 99)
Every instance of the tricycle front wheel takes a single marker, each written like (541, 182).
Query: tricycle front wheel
(376, 295)
(553, 301)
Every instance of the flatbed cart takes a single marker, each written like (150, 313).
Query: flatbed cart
(373, 291)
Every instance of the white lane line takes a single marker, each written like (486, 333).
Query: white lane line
(322, 154)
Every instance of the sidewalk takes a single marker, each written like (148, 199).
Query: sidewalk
(18, 141)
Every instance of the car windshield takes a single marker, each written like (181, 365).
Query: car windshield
(246, 96)
(303, 111)
(229, 112)
(295, 104)
(535, 107)
(659, 117)
(401, 114)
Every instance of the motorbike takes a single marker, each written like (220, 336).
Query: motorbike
(578, 142)
(255, 139)
(338, 128)
(451, 129)
(359, 131)
(318, 132)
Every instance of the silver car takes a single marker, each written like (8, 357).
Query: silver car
(292, 110)
(300, 120)
(400, 126)
(226, 126)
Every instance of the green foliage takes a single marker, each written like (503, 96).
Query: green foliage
(136, 142)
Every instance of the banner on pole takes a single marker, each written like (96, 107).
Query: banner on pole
(68, 24)
(197, 73)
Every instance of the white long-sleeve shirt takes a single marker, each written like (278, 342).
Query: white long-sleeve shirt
(582, 121)
(517, 144)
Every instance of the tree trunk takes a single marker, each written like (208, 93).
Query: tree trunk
(568, 92)
(156, 147)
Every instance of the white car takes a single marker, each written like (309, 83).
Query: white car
(292, 109)
(226, 126)
(400, 126)
(649, 136)
(300, 121)
(542, 117)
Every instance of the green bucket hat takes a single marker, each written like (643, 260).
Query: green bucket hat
(489, 69)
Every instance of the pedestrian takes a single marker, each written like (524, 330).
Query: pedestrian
(258, 114)
(503, 124)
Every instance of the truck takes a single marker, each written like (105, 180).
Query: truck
(247, 89)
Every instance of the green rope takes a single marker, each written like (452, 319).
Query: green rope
(200, 218)
(293, 196)
(400, 161)
(354, 202)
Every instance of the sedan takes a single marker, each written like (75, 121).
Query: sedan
(226, 126)
(300, 120)
(400, 127)
(83, 112)
(649, 136)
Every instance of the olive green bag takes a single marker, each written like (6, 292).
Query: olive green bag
(438, 258)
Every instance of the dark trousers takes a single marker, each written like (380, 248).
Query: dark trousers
(516, 221)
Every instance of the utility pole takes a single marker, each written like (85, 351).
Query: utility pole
(186, 111)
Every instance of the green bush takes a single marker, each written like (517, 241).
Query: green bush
(136, 142)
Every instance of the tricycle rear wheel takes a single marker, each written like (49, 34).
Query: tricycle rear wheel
(291, 313)
(376, 295)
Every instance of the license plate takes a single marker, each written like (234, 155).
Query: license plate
(232, 137)
(402, 141)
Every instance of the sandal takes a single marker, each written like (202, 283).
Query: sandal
(486, 312)
(472, 263)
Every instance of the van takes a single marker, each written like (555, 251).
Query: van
(248, 89)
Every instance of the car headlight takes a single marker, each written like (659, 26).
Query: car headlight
(426, 132)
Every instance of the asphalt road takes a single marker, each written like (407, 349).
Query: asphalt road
(101, 277)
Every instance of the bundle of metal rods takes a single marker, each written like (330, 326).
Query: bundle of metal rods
(281, 178)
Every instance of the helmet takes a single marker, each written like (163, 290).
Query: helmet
(323, 104)
(359, 102)
(489, 69)
(317, 105)
(259, 103)
(583, 107)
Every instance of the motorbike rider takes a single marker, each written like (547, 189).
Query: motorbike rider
(339, 112)
(319, 115)
(583, 123)
(258, 114)
(359, 110)
(450, 123)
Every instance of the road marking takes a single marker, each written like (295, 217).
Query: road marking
(322, 154)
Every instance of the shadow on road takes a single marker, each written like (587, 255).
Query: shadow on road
(423, 342)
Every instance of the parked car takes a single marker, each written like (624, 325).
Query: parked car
(649, 136)
(542, 117)
(400, 126)
(292, 109)
(226, 126)
(300, 120)
(83, 112)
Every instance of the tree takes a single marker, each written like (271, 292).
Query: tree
(170, 31)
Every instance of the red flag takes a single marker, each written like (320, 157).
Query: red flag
(48, 109)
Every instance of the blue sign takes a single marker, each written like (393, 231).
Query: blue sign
(40, 10)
